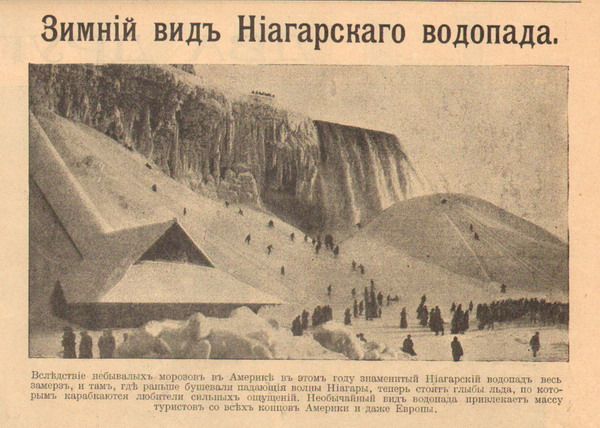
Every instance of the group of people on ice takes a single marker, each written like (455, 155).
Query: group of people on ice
(371, 306)
(460, 318)
(316, 242)
(320, 315)
(106, 344)
(432, 319)
(532, 310)
(373, 302)
(300, 323)
(330, 245)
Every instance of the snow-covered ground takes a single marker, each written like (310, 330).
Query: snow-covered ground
(507, 342)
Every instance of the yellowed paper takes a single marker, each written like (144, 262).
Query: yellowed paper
(291, 213)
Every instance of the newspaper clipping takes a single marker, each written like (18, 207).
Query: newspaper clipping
(293, 213)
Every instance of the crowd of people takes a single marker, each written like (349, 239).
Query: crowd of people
(371, 306)
(263, 93)
(533, 310)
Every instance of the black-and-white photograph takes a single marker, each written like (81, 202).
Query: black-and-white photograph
(303, 212)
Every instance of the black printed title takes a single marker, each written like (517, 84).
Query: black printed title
(259, 29)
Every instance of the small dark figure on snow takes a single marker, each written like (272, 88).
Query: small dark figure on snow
(68, 343)
(471, 306)
(316, 316)
(329, 290)
(283, 270)
(403, 321)
(534, 343)
(355, 309)
(372, 306)
(476, 236)
(336, 250)
(438, 321)
(271, 224)
(226, 204)
(408, 346)
(457, 350)
(241, 212)
(184, 210)
(471, 227)
(329, 241)
(269, 249)
(248, 239)
(106, 344)
(353, 292)
(304, 319)
(347, 317)
(297, 327)
(431, 322)
(503, 288)
(456, 325)
(154, 188)
(361, 268)
(422, 312)
(353, 265)
(424, 316)
(380, 298)
(85, 345)
(292, 236)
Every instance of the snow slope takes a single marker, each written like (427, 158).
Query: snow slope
(474, 238)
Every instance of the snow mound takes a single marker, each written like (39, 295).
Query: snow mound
(338, 338)
(244, 335)
(142, 344)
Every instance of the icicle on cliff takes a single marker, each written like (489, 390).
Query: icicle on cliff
(317, 175)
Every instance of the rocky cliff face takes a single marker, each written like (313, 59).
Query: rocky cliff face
(318, 175)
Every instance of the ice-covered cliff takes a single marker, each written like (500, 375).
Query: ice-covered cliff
(362, 172)
(318, 175)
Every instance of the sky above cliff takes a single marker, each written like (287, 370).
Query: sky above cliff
(498, 133)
